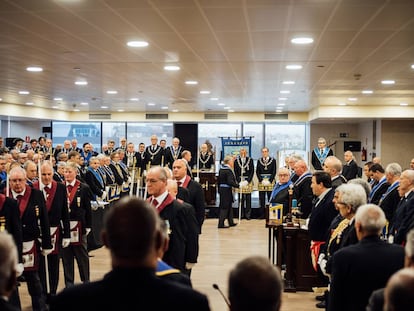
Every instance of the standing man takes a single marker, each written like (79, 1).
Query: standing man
(302, 191)
(79, 205)
(266, 174)
(154, 154)
(57, 210)
(32, 213)
(182, 252)
(186, 156)
(380, 186)
(333, 166)
(173, 152)
(206, 159)
(390, 199)
(280, 193)
(123, 146)
(244, 170)
(320, 153)
(196, 193)
(350, 168)
(226, 182)
(74, 146)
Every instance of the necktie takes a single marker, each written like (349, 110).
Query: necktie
(321, 151)
(179, 183)
(47, 190)
(70, 188)
(19, 198)
(154, 203)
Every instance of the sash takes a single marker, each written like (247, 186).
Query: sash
(48, 198)
(24, 201)
(186, 181)
(97, 176)
(302, 178)
(75, 232)
(389, 190)
(382, 181)
(72, 194)
(167, 201)
(2, 201)
(321, 156)
(227, 167)
(279, 188)
(29, 256)
(175, 154)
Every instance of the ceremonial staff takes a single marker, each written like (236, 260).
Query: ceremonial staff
(131, 190)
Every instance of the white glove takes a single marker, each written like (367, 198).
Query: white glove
(196, 179)
(129, 179)
(94, 205)
(103, 196)
(88, 230)
(391, 239)
(243, 184)
(265, 182)
(19, 269)
(321, 257)
(189, 265)
(144, 173)
(46, 251)
(65, 243)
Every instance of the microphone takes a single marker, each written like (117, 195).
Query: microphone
(215, 286)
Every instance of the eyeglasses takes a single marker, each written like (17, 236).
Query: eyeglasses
(152, 181)
(283, 175)
(16, 180)
(341, 203)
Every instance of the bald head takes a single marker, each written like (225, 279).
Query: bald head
(398, 294)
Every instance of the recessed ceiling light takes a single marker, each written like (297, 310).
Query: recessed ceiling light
(412, 66)
(24, 92)
(29, 104)
(1, 99)
(342, 104)
(84, 104)
(220, 104)
(367, 92)
(281, 104)
(204, 92)
(151, 104)
(214, 98)
(388, 82)
(230, 110)
(278, 110)
(55, 107)
(282, 98)
(294, 67)
(288, 82)
(104, 107)
(111, 92)
(164, 107)
(137, 44)
(302, 40)
(191, 82)
(352, 99)
(171, 68)
(34, 69)
(227, 107)
(285, 92)
(76, 110)
(134, 99)
(81, 82)
(57, 98)
(120, 110)
(403, 104)
(175, 110)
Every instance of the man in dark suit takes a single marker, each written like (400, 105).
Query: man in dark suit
(57, 209)
(226, 181)
(183, 248)
(196, 193)
(380, 186)
(399, 291)
(350, 168)
(390, 199)
(79, 205)
(132, 234)
(173, 152)
(320, 153)
(359, 269)
(404, 215)
(333, 166)
(154, 153)
(302, 191)
(280, 193)
(8, 265)
(32, 213)
(244, 171)
(266, 174)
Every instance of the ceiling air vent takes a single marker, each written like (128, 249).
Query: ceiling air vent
(276, 116)
(100, 116)
(215, 116)
(156, 116)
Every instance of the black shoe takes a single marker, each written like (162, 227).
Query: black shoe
(222, 227)
(320, 297)
(321, 305)
(232, 225)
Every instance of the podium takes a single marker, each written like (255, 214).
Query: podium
(292, 243)
(208, 182)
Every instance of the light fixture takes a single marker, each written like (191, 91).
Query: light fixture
(302, 40)
(137, 44)
(293, 67)
(214, 98)
(227, 107)
(204, 92)
(403, 104)
(230, 110)
(412, 66)
(171, 68)
(191, 82)
(388, 82)
(342, 104)
(164, 107)
(288, 82)
(175, 110)
(55, 107)
(151, 104)
(281, 104)
(352, 99)
(34, 69)
(120, 110)
(81, 82)
(134, 99)
(367, 92)
(221, 104)
(104, 107)
(29, 104)
(57, 98)
(1, 99)
(76, 110)
(111, 92)
(84, 104)
(282, 98)
(285, 92)
(278, 110)
(24, 92)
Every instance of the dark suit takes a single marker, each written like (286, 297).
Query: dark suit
(10, 221)
(404, 217)
(376, 300)
(377, 192)
(338, 180)
(318, 163)
(389, 203)
(282, 197)
(58, 214)
(183, 245)
(206, 161)
(171, 155)
(225, 181)
(80, 211)
(350, 170)
(130, 289)
(196, 199)
(359, 269)
(245, 172)
(7, 306)
(321, 217)
(265, 167)
(302, 192)
(155, 156)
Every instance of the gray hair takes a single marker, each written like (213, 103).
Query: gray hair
(227, 159)
(363, 183)
(353, 195)
(8, 259)
(394, 169)
(372, 218)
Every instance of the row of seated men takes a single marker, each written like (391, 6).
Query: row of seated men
(66, 211)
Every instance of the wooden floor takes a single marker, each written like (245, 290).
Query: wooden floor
(220, 250)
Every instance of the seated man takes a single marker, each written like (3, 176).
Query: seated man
(132, 234)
